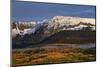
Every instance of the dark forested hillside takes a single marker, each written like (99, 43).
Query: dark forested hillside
(72, 37)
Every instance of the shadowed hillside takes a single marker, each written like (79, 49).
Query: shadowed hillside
(74, 37)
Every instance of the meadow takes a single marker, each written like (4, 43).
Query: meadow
(36, 56)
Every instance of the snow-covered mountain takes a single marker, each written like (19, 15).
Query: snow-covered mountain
(29, 23)
(16, 30)
(58, 23)
(57, 29)
(70, 22)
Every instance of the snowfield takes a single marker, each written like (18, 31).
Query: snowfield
(58, 22)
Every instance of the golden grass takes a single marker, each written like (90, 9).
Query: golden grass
(47, 56)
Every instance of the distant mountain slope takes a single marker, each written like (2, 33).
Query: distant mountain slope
(55, 24)
(71, 37)
(64, 37)
(67, 23)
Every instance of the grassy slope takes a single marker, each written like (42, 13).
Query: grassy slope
(51, 56)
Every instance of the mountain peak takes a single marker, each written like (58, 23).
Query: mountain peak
(62, 17)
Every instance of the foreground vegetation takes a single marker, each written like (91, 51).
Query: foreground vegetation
(52, 56)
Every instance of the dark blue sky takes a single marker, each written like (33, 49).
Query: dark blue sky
(27, 11)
